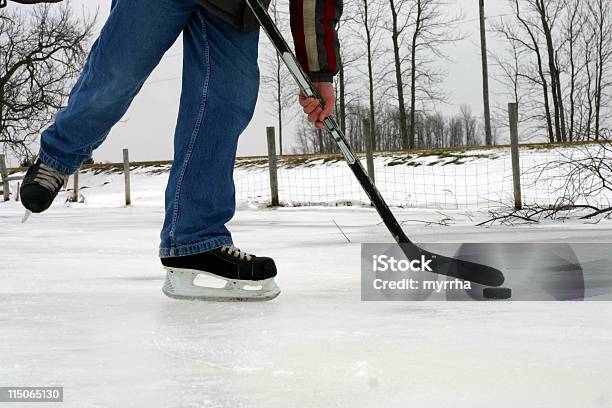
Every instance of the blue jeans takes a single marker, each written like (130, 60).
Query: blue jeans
(219, 91)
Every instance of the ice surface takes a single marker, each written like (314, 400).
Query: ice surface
(81, 307)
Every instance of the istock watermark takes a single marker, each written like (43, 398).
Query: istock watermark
(393, 275)
(384, 263)
(530, 271)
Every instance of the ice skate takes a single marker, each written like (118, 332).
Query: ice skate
(41, 185)
(247, 277)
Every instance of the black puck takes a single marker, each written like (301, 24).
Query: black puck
(497, 293)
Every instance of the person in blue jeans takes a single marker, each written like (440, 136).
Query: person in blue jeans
(219, 90)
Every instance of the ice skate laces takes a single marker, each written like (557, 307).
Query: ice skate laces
(236, 253)
(49, 178)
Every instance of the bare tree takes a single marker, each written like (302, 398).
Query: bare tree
(432, 29)
(470, 125)
(437, 126)
(572, 27)
(348, 56)
(513, 73)
(455, 131)
(548, 13)
(41, 53)
(510, 69)
(526, 34)
(277, 80)
(367, 15)
(600, 19)
(401, 11)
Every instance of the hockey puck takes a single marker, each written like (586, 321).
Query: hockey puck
(497, 293)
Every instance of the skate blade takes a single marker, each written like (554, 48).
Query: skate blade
(180, 285)
(26, 215)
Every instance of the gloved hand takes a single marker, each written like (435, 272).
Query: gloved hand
(3, 2)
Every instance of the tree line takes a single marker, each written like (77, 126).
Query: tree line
(556, 63)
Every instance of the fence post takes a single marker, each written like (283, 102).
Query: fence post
(514, 143)
(367, 131)
(126, 175)
(272, 165)
(17, 194)
(74, 198)
(4, 175)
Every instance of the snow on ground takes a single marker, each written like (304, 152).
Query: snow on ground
(468, 179)
(81, 307)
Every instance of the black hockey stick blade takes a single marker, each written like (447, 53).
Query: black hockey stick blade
(457, 268)
(35, 1)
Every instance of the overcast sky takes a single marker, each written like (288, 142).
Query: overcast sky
(148, 126)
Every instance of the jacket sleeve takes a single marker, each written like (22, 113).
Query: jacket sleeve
(315, 35)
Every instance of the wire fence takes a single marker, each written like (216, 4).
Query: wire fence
(476, 179)
(452, 179)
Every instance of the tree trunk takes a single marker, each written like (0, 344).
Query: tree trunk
(413, 49)
(572, 79)
(370, 75)
(280, 105)
(342, 97)
(600, 66)
(554, 72)
(485, 76)
(589, 96)
(536, 50)
(561, 103)
(399, 80)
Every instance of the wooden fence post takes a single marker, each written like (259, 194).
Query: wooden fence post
(74, 198)
(4, 174)
(369, 149)
(514, 147)
(126, 173)
(272, 165)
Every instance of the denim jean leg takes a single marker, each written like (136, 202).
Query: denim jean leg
(220, 86)
(130, 45)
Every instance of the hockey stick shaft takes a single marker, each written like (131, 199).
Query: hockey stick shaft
(330, 123)
(466, 270)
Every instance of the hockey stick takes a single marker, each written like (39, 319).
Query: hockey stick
(3, 2)
(444, 265)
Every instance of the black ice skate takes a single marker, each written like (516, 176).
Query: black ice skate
(40, 187)
(248, 277)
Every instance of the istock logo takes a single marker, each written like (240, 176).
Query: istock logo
(384, 263)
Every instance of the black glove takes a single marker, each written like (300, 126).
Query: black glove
(3, 2)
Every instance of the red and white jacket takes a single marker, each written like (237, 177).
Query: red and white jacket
(313, 25)
(314, 28)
